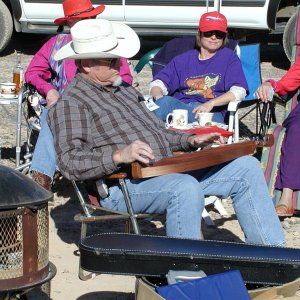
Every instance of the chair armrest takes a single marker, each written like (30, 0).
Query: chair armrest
(115, 176)
(233, 105)
(233, 123)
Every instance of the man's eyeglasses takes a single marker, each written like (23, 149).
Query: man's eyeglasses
(220, 35)
(110, 62)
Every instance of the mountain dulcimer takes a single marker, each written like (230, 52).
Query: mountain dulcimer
(185, 162)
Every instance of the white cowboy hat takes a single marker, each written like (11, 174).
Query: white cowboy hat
(98, 38)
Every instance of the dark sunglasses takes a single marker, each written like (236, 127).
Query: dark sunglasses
(111, 62)
(218, 34)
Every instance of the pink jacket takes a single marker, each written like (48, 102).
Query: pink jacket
(289, 82)
(38, 72)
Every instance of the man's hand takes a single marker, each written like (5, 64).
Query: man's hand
(136, 151)
(52, 97)
(205, 107)
(205, 139)
(263, 92)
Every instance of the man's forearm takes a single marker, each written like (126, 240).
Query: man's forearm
(82, 165)
(223, 99)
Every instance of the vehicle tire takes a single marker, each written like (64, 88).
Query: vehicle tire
(289, 36)
(6, 25)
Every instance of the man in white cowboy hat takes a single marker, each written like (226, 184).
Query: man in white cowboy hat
(50, 78)
(99, 126)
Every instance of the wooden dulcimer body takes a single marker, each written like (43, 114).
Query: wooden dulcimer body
(197, 160)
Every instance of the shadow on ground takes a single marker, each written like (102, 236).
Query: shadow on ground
(67, 206)
(27, 43)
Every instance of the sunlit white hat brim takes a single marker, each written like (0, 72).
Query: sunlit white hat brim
(98, 38)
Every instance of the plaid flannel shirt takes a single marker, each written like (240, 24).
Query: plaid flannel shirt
(90, 121)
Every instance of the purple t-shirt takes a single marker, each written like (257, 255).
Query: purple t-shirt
(189, 79)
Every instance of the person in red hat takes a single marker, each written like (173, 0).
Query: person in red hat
(50, 78)
(205, 79)
(78, 10)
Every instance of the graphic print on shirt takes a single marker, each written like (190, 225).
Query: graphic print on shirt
(203, 85)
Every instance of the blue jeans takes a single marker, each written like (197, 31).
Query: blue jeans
(181, 198)
(167, 104)
(44, 156)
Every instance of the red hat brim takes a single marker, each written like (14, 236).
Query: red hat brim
(93, 13)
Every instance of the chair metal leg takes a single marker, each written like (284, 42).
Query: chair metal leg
(127, 226)
(132, 215)
(84, 276)
(236, 128)
(220, 208)
(207, 219)
(83, 230)
(19, 124)
(81, 199)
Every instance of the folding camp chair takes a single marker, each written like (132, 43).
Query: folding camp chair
(265, 112)
(271, 156)
(250, 59)
(88, 194)
(156, 59)
(177, 164)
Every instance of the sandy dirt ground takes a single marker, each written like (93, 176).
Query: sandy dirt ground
(64, 232)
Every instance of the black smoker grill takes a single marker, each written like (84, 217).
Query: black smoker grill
(24, 233)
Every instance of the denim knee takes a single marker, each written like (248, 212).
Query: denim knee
(248, 162)
(190, 191)
(185, 207)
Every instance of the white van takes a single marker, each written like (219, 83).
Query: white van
(149, 17)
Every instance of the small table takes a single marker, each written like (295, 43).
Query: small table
(18, 101)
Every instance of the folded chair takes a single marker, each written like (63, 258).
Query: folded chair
(24, 152)
(271, 156)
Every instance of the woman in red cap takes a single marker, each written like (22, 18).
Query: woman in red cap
(205, 79)
(50, 78)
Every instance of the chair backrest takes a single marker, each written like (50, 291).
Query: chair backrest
(250, 59)
(249, 55)
(178, 46)
(171, 49)
(158, 58)
(146, 59)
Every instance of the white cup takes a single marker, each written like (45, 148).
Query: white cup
(204, 118)
(8, 90)
(179, 118)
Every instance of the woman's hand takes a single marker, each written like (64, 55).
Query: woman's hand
(52, 97)
(156, 92)
(263, 92)
(205, 107)
(136, 151)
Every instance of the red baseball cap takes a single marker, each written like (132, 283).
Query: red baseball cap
(75, 9)
(213, 21)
